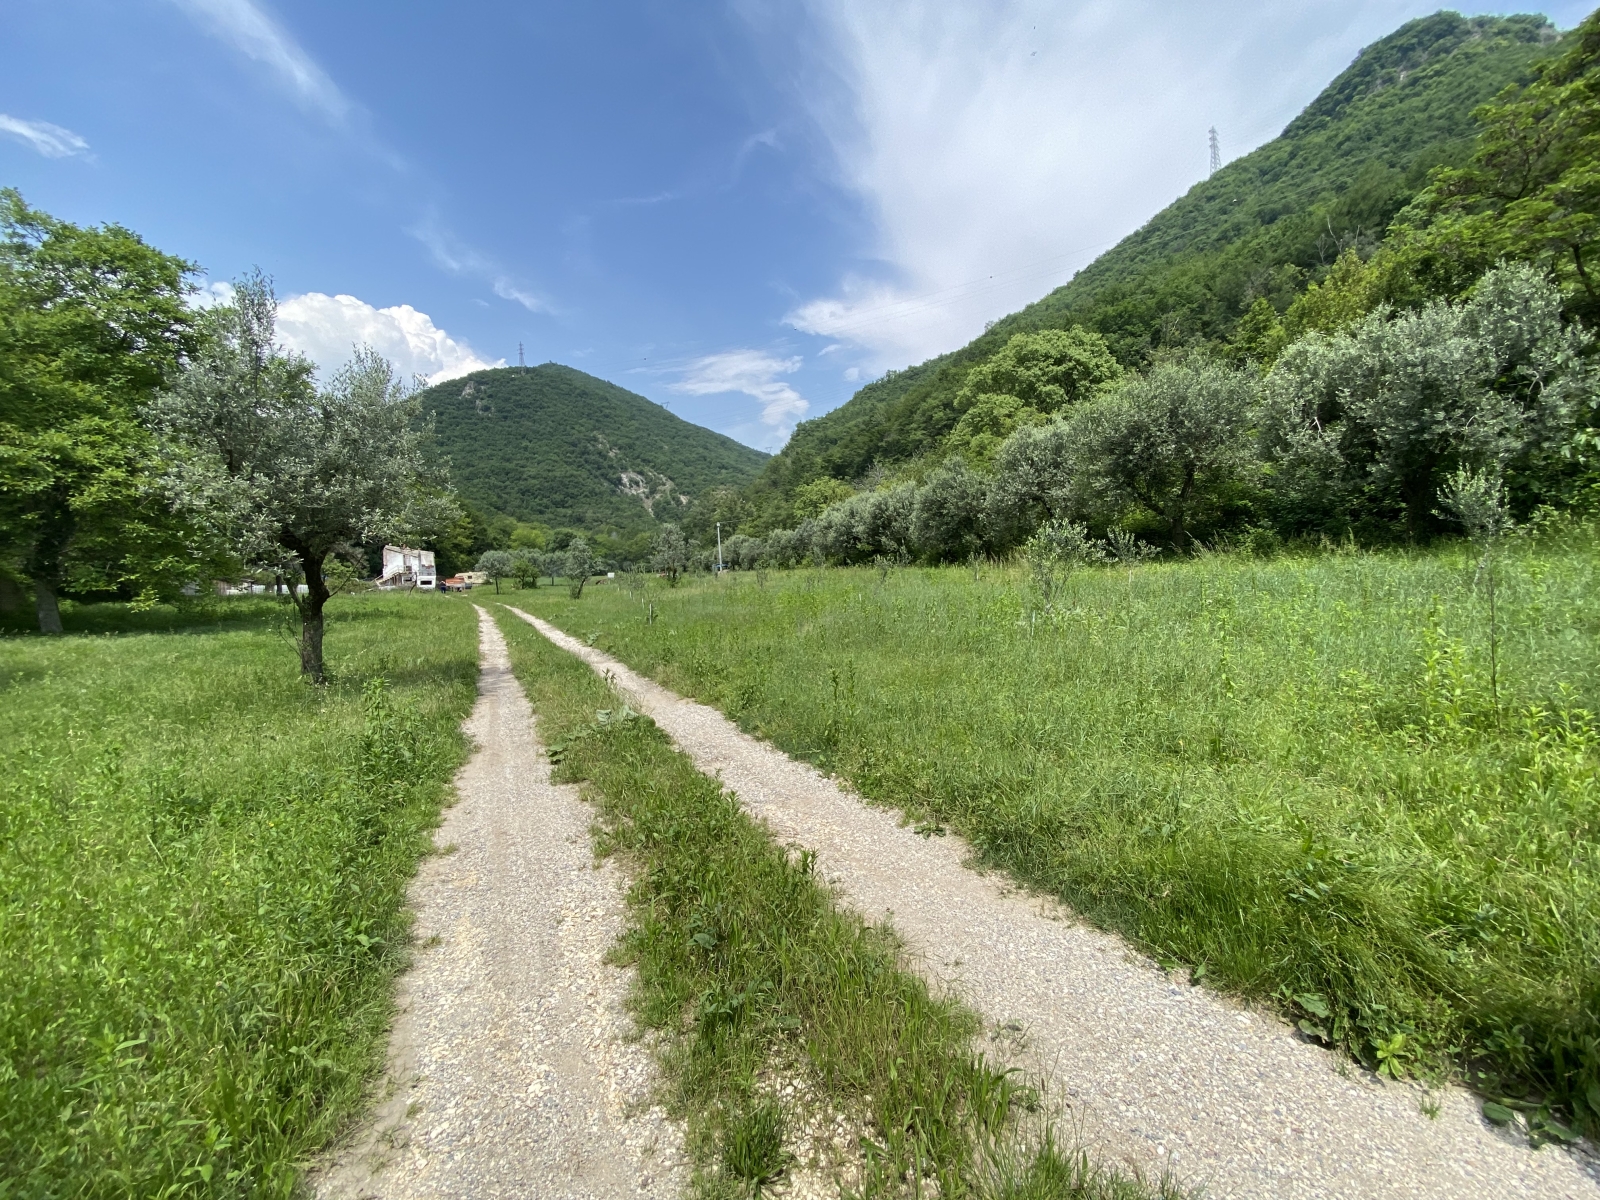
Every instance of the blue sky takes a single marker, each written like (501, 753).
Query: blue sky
(740, 210)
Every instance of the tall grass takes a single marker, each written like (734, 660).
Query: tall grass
(773, 1009)
(202, 864)
(1292, 776)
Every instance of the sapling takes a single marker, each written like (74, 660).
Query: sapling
(1478, 500)
(1127, 549)
(1054, 551)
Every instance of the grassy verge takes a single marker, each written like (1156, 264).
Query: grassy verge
(1314, 781)
(203, 862)
(782, 1020)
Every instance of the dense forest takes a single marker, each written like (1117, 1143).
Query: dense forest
(1217, 273)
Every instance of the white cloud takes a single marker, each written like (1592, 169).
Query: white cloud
(251, 31)
(752, 372)
(52, 141)
(460, 259)
(999, 145)
(325, 328)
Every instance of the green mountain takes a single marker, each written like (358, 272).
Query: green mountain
(1265, 225)
(558, 447)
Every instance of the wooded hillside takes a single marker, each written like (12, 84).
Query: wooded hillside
(1263, 227)
(554, 446)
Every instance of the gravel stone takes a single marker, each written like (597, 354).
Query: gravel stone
(513, 1069)
(1153, 1074)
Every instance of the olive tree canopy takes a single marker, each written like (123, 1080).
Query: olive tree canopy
(290, 472)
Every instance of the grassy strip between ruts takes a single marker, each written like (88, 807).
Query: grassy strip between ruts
(784, 1022)
(1328, 782)
(203, 862)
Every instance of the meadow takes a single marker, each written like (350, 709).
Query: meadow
(1326, 783)
(203, 862)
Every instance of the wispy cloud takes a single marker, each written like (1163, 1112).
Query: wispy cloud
(455, 256)
(754, 373)
(52, 141)
(997, 145)
(254, 33)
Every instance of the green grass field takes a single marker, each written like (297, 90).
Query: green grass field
(202, 861)
(1297, 777)
(752, 979)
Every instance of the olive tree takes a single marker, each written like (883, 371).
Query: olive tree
(290, 472)
(497, 565)
(1172, 442)
(947, 519)
(1383, 413)
(580, 563)
(671, 557)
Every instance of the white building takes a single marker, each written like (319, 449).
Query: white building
(404, 567)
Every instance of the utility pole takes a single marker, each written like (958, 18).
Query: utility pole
(719, 547)
(1216, 152)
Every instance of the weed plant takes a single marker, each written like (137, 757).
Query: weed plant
(751, 978)
(1297, 777)
(202, 863)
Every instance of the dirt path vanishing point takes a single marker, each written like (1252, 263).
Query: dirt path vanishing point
(1159, 1074)
(510, 1072)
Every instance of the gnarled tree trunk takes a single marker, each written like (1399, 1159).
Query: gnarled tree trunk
(310, 607)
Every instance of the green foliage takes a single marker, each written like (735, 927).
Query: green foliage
(204, 867)
(1058, 548)
(987, 422)
(947, 513)
(751, 978)
(1294, 772)
(553, 446)
(671, 556)
(811, 498)
(1175, 443)
(1531, 191)
(526, 567)
(1047, 371)
(92, 321)
(1365, 425)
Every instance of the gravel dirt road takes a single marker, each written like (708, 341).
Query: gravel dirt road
(511, 1073)
(1155, 1073)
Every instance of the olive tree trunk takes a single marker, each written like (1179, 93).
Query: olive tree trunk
(310, 608)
